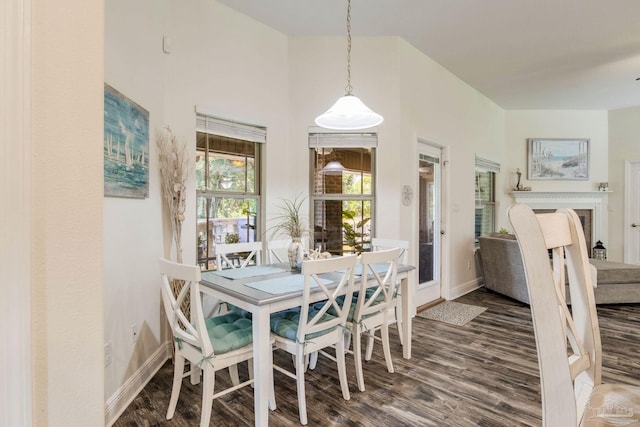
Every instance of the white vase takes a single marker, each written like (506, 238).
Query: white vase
(296, 253)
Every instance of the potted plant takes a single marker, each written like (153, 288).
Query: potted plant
(291, 224)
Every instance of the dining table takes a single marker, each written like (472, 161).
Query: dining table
(265, 289)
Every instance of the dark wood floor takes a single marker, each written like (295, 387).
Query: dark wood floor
(482, 374)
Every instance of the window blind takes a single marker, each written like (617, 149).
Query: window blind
(430, 159)
(230, 129)
(343, 140)
(487, 165)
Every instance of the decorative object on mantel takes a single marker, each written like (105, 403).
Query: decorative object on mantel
(518, 186)
(558, 159)
(599, 251)
(604, 186)
(349, 112)
(291, 224)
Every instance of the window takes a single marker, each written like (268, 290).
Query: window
(486, 171)
(342, 191)
(227, 185)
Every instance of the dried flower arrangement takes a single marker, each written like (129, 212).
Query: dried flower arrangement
(175, 170)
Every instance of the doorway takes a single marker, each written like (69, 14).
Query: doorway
(632, 213)
(429, 222)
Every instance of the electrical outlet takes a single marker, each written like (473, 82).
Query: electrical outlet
(134, 333)
(107, 354)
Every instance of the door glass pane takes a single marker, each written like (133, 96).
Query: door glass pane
(428, 221)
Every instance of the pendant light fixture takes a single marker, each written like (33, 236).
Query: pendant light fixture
(349, 113)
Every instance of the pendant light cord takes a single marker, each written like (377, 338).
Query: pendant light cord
(349, 88)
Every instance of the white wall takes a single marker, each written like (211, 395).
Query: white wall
(521, 125)
(221, 61)
(624, 144)
(66, 222)
(133, 238)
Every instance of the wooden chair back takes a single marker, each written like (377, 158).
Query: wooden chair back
(380, 243)
(378, 287)
(335, 300)
(189, 333)
(252, 254)
(568, 341)
(277, 250)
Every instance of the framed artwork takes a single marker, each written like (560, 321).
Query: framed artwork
(126, 146)
(558, 159)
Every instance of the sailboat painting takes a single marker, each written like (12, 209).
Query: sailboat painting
(126, 146)
(559, 159)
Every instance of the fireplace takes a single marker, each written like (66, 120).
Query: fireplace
(585, 216)
(590, 206)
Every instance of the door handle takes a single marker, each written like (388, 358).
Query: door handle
(634, 225)
(442, 232)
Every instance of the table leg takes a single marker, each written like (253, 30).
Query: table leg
(262, 365)
(407, 316)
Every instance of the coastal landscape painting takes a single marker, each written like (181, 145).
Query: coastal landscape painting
(126, 146)
(558, 159)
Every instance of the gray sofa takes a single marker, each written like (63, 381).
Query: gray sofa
(503, 273)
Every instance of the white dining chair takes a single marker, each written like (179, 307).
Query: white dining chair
(252, 255)
(371, 306)
(395, 314)
(568, 340)
(317, 325)
(209, 344)
(277, 250)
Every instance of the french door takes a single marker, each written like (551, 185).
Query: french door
(429, 201)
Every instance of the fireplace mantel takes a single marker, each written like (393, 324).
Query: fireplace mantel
(597, 201)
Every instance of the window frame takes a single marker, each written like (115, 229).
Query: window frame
(483, 166)
(230, 132)
(341, 141)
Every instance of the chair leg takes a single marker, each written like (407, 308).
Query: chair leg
(272, 393)
(208, 383)
(357, 355)
(347, 339)
(384, 332)
(399, 323)
(178, 371)
(250, 370)
(233, 373)
(342, 369)
(302, 400)
(313, 360)
(370, 342)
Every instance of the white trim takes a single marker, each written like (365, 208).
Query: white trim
(465, 288)
(16, 394)
(597, 201)
(122, 398)
(487, 165)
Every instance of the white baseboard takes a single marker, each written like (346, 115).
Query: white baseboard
(122, 398)
(465, 288)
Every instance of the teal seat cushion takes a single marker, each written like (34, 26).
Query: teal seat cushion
(285, 323)
(229, 332)
(242, 311)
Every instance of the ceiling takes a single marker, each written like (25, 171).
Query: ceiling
(522, 54)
